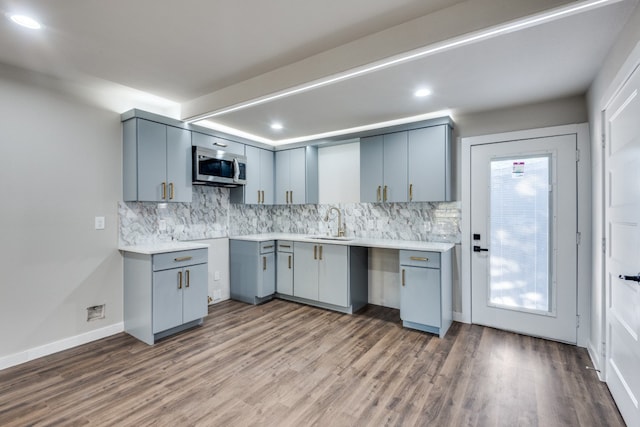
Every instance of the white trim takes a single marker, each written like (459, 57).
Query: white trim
(584, 215)
(57, 346)
(595, 359)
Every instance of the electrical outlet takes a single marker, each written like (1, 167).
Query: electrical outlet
(99, 223)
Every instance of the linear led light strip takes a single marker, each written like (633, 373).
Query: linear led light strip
(438, 47)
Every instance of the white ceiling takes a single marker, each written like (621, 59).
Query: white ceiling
(213, 54)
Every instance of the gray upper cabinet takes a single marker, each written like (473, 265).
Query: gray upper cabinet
(371, 161)
(216, 143)
(406, 166)
(296, 177)
(429, 166)
(259, 188)
(156, 162)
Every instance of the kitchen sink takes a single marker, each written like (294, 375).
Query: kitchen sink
(335, 238)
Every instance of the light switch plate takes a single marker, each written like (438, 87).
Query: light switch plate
(99, 223)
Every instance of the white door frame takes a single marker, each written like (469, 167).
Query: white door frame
(584, 215)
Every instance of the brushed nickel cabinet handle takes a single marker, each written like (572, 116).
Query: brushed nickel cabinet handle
(291, 196)
(182, 258)
(188, 278)
(286, 194)
(171, 192)
(220, 144)
(315, 252)
(267, 247)
(410, 192)
(289, 262)
(419, 258)
(384, 194)
(264, 262)
(258, 196)
(403, 281)
(285, 246)
(164, 190)
(179, 279)
(263, 197)
(320, 252)
(378, 196)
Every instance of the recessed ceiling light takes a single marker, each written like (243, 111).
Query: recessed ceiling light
(422, 92)
(26, 21)
(277, 126)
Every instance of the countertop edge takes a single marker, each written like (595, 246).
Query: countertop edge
(161, 248)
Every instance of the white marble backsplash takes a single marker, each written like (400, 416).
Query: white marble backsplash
(211, 215)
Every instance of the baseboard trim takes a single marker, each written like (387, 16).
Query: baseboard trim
(57, 346)
(460, 317)
(595, 359)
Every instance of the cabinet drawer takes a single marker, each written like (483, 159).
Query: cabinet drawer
(215, 143)
(420, 259)
(285, 246)
(267, 247)
(179, 259)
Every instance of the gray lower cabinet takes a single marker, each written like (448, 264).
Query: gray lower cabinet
(425, 291)
(284, 267)
(164, 293)
(156, 162)
(252, 270)
(330, 276)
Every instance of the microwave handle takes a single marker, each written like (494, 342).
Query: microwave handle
(236, 170)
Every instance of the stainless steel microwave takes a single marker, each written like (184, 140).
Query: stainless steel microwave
(218, 168)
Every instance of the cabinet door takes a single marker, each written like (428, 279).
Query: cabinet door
(284, 273)
(420, 295)
(194, 292)
(297, 176)
(305, 270)
(427, 164)
(152, 161)
(267, 282)
(395, 167)
(179, 163)
(333, 275)
(253, 187)
(371, 155)
(266, 175)
(282, 177)
(167, 299)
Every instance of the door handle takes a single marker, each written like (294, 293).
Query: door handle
(384, 194)
(315, 252)
(289, 262)
(378, 193)
(630, 278)
(264, 263)
(410, 192)
(320, 251)
(188, 281)
(171, 193)
(403, 279)
(479, 249)
(179, 279)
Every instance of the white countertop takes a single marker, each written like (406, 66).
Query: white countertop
(412, 245)
(159, 248)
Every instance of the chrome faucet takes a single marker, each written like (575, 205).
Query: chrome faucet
(340, 224)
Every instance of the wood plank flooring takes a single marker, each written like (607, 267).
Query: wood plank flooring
(285, 364)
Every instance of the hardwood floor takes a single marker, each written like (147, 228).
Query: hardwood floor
(284, 364)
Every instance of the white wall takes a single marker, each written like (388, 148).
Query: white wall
(339, 173)
(623, 56)
(60, 166)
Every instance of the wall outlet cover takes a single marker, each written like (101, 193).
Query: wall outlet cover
(95, 312)
(99, 223)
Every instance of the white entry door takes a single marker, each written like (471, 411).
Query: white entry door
(622, 200)
(524, 228)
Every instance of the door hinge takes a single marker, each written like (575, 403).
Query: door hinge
(604, 141)
(604, 245)
(604, 350)
(577, 155)
(577, 320)
(578, 238)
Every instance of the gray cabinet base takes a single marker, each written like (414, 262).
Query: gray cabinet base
(424, 328)
(347, 310)
(175, 330)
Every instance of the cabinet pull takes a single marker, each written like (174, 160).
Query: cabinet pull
(264, 262)
(410, 192)
(267, 247)
(188, 279)
(182, 258)
(258, 196)
(315, 252)
(378, 195)
(403, 277)
(320, 252)
(419, 258)
(291, 196)
(384, 194)
(285, 246)
(263, 197)
(171, 191)
(220, 144)
(164, 190)
(286, 193)
(289, 262)
(179, 279)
